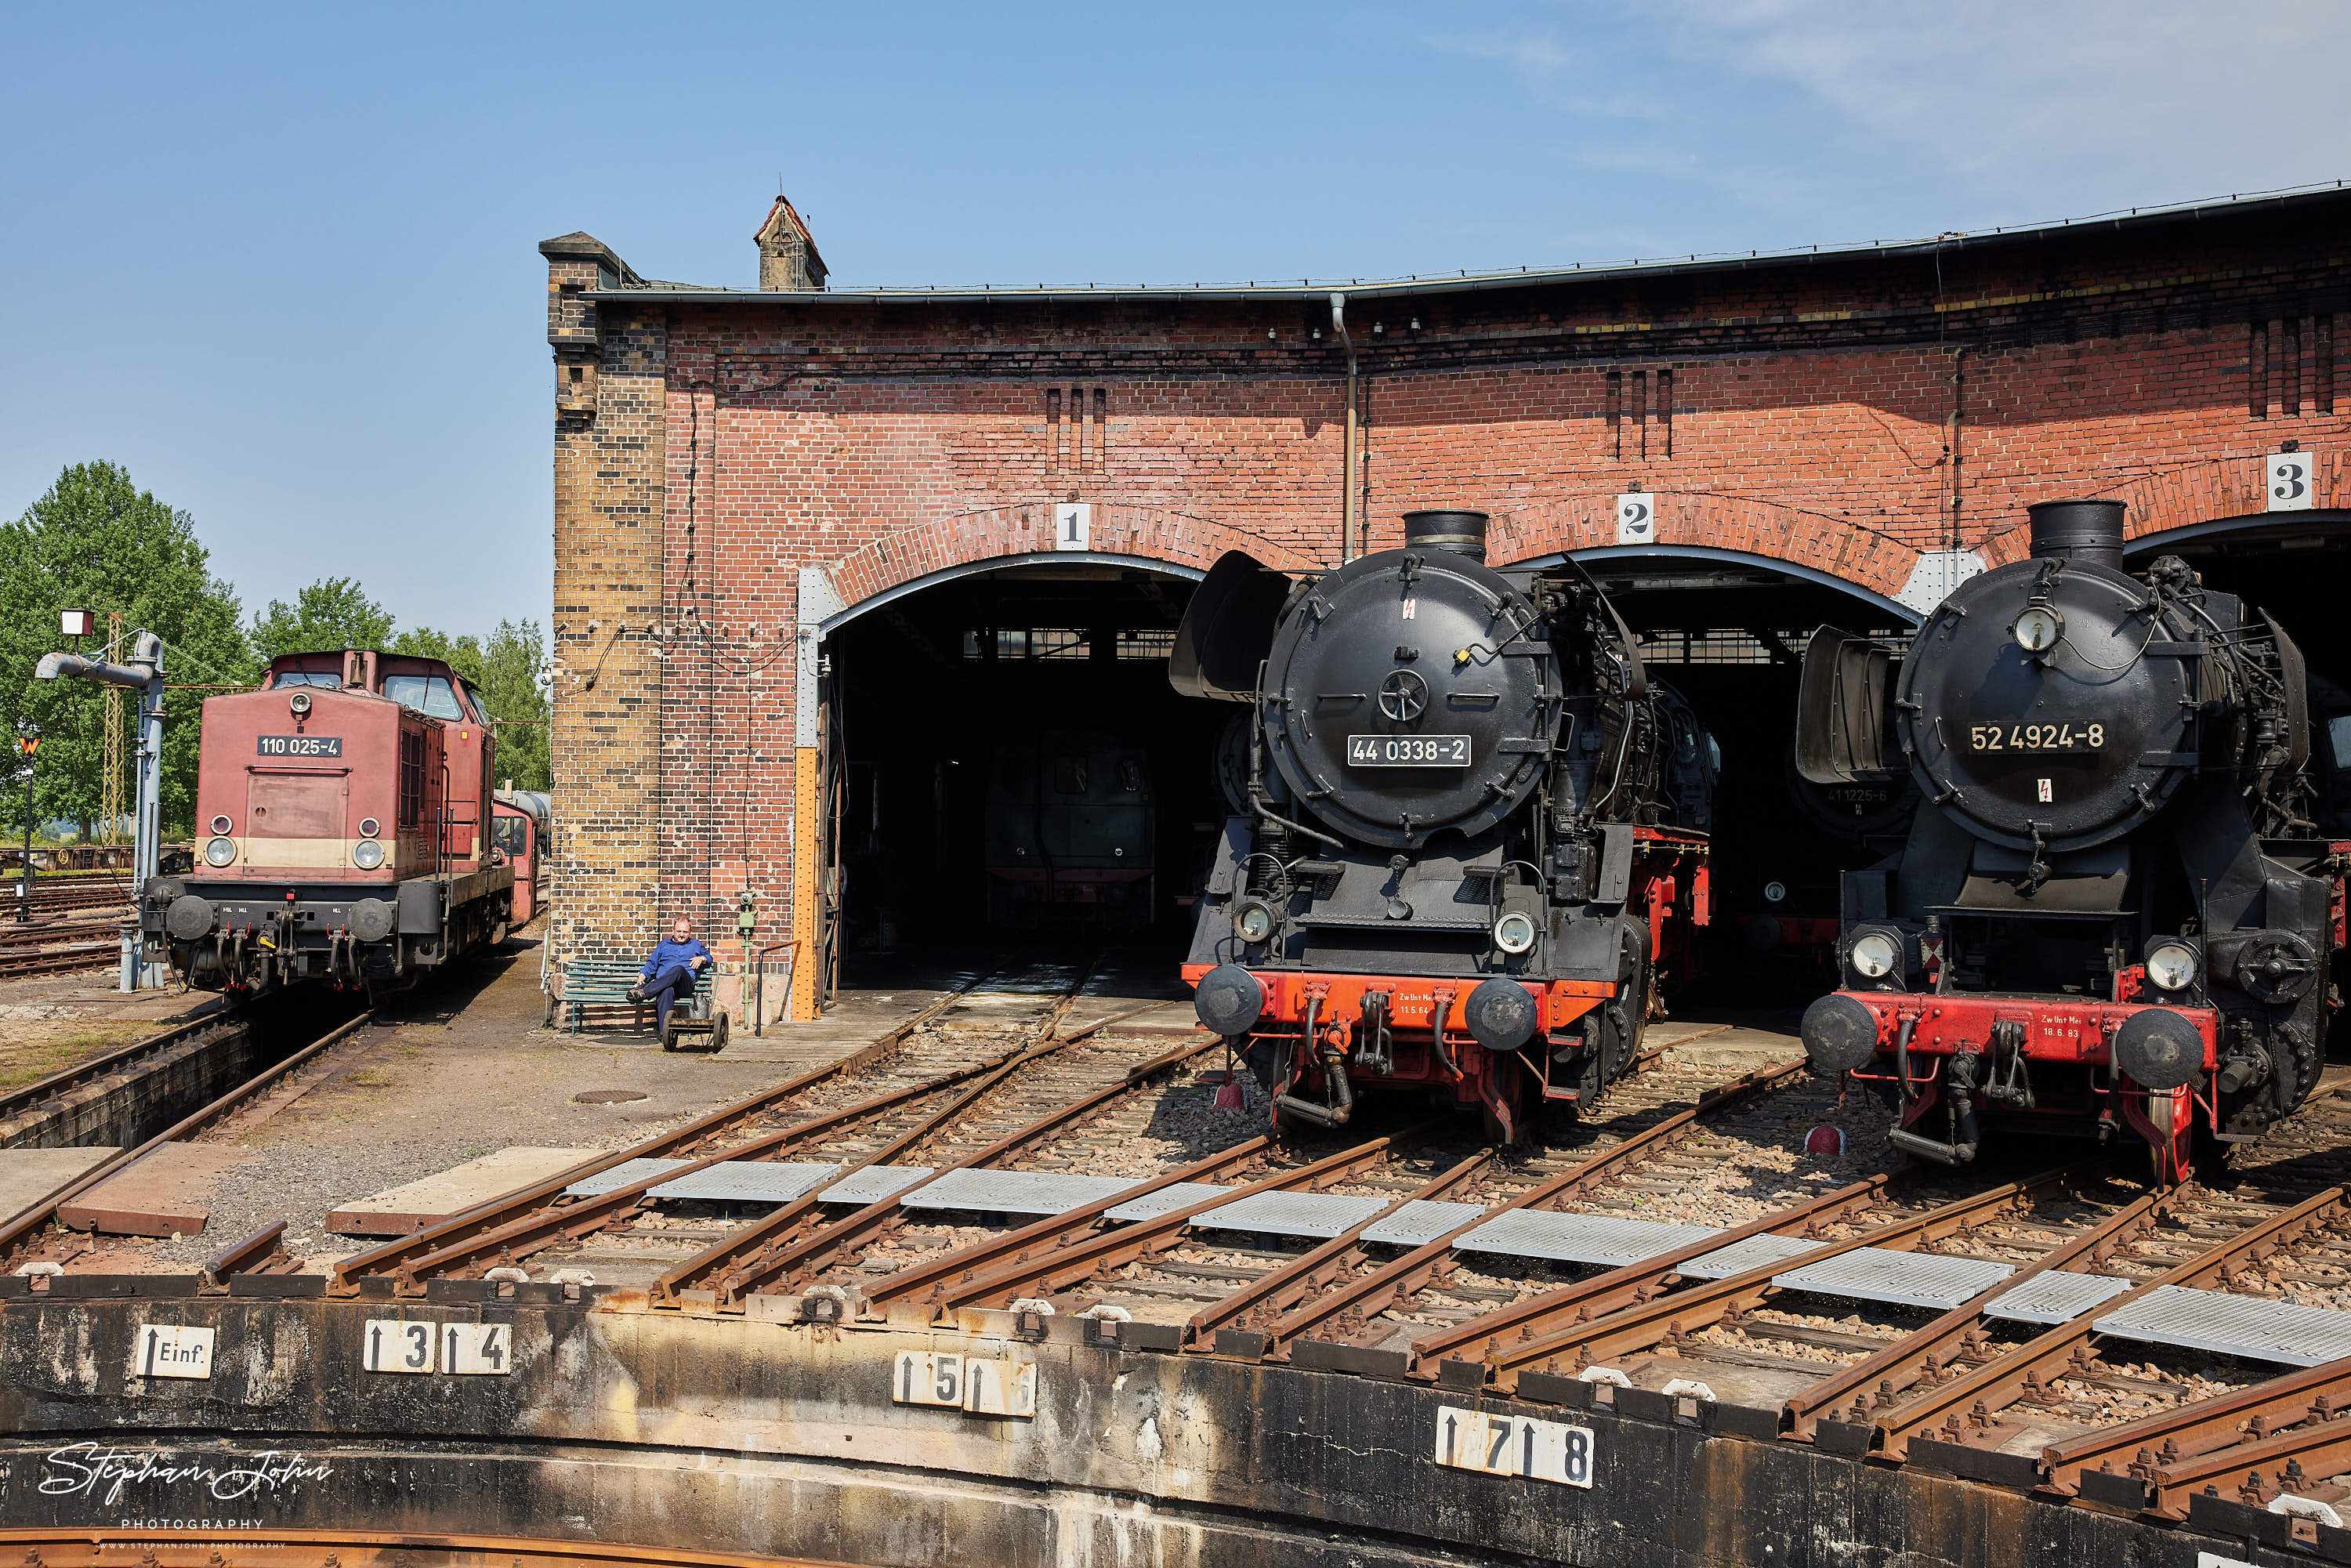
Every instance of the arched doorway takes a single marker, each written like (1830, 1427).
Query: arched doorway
(978, 716)
(2293, 565)
(1726, 630)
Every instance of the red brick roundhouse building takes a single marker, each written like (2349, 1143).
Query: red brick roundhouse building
(821, 554)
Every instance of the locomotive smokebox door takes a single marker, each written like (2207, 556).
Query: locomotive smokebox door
(1411, 694)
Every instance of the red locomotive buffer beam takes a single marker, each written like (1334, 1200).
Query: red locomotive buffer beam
(2032, 1057)
(1317, 1034)
(1418, 1036)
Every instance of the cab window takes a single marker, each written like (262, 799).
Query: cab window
(425, 693)
(510, 835)
(284, 679)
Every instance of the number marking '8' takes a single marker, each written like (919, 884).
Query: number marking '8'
(1516, 1446)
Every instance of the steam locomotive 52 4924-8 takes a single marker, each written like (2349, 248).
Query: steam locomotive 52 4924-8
(344, 817)
(2113, 909)
(1474, 830)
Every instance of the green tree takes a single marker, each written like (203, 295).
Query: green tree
(96, 542)
(333, 612)
(510, 674)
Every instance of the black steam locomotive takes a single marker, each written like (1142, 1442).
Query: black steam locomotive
(1473, 834)
(2113, 908)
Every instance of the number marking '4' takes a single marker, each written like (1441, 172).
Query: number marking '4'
(1499, 1445)
(477, 1350)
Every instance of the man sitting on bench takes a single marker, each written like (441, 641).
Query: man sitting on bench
(669, 972)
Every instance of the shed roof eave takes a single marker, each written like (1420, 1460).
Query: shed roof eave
(1476, 282)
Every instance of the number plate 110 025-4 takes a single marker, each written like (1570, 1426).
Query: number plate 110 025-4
(1409, 751)
(299, 746)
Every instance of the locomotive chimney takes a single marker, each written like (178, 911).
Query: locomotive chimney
(1463, 533)
(2088, 531)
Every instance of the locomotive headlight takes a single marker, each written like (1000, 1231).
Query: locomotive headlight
(1514, 934)
(1253, 921)
(300, 702)
(219, 851)
(1873, 955)
(367, 854)
(1774, 892)
(2037, 630)
(2171, 966)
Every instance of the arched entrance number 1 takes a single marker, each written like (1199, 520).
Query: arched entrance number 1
(839, 616)
(816, 776)
(1600, 554)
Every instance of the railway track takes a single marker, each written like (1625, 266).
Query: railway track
(2057, 1330)
(657, 1214)
(56, 897)
(37, 1241)
(62, 937)
(62, 960)
(28, 1111)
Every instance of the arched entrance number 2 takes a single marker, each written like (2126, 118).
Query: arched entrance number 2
(1074, 525)
(1636, 520)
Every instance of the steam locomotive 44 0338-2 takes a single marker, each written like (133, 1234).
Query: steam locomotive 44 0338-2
(1474, 834)
(344, 831)
(2113, 909)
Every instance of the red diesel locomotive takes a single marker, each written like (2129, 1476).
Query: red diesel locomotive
(2115, 912)
(343, 816)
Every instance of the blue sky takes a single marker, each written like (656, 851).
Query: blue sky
(280, 262)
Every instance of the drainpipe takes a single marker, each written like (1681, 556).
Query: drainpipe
(1347, 526)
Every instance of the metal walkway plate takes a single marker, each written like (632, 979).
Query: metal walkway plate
(1014, 1192)
(2250, 1326)
(621, 1176)
(1319, 1213)
(1421, 1221)
(1166, 1200)
(1580, 1238)
(875, 1183)
(748, 1181)
(1904, 1279)
(1753, 1253)
(2058, 1296)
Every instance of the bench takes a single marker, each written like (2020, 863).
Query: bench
(588, 983)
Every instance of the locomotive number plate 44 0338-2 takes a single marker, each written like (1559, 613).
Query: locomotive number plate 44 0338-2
(299, 746)
(1409, 751)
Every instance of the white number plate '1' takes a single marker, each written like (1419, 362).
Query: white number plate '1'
(1513, 1445)
(1409, 751)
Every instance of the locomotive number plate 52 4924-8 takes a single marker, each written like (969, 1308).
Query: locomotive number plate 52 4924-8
(1409, 751)
(299, 746)
(2036, 736)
